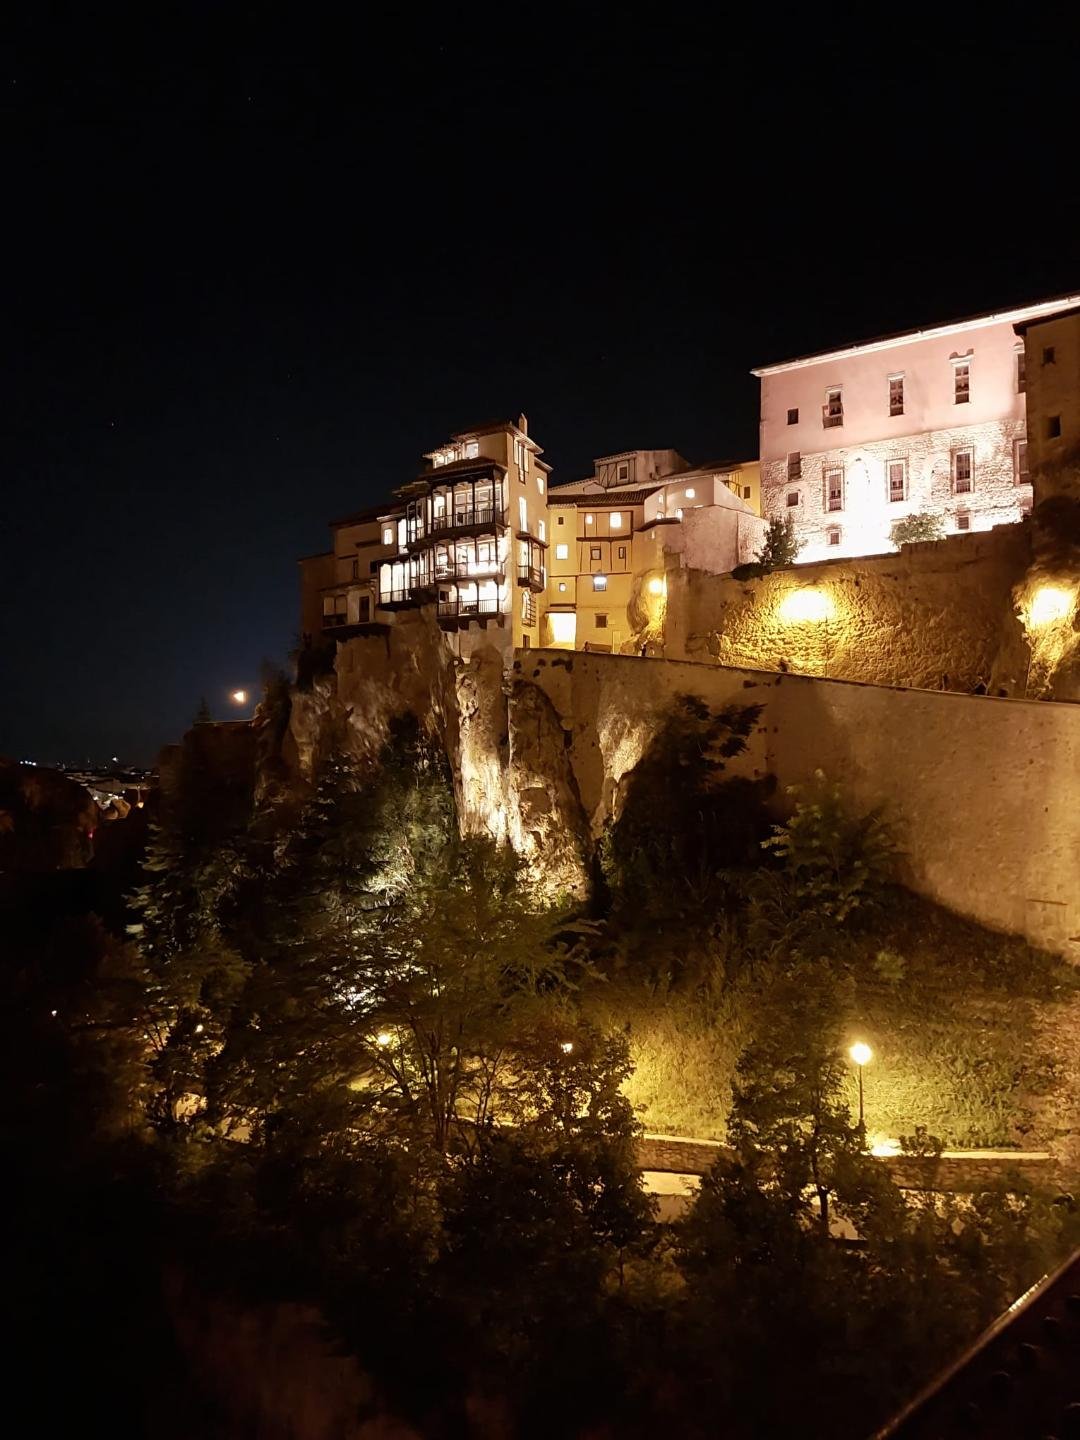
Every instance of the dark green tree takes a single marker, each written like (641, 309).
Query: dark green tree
(780, 546)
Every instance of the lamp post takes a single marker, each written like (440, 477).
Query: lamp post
(861, 1053)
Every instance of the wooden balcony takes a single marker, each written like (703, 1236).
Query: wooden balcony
(452, 613)
(531, 577)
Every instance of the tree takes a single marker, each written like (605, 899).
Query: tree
(780, 546)
(914, 528)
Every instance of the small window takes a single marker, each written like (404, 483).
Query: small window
(622, 552)
(599, 582)
(388, 535)
(560, 520)
(562, 552)
(1053, 427)
(1020, 462)
(896, 394)
(746, 492)
(541, 529)
(356, 569)
(832, 535)
(1049, 355)
(594, 552)
(526, 642)
(833, 410)
(562, 587)
(963, 520)
(834, 489)
(690, 492)
(792, 499)
(963, 471)
(472, 449)
(540, 483)
(962, 382)
(615, 520)
(1021, 372)
(601, 622)
(624, 470)
(523, 514)
(794, 465)
(588, 520)
(793, 416)
(897, 480)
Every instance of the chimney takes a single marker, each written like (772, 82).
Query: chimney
(523, 424)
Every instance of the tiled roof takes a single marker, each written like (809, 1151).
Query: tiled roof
(462, 467)
(590, 493)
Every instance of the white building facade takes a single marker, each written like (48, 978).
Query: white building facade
(927, 422)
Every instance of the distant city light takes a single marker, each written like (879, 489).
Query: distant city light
(239, 697)
(808, 605)
(1051, 603)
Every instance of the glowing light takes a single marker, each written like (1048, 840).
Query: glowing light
(199, 1028)
(563, 627)
(53, 1014)
(656, 586)
(239, 697)
(809, 605)
(1050, 603)
(861, 1053)
(884, 1145)
(383, 1039)
(139, 804)
(566, 1046)
(690, 493)
(588, 520)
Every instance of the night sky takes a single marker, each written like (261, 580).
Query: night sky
(254, 271)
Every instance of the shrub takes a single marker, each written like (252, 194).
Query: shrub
(780, 547)
(914, 528)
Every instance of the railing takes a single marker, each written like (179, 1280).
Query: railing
(831, 419)
(459, 519)
(530, 575)
(468, 570)
(396, 597)
(468, 607)
(331, 620)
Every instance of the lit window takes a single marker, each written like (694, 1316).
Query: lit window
(690, 492)
(963, 471)
(588, 519)
(793, 417)
(540, 483)
(1053, 427)
(562, 587)
(962, 382)
(601, 622)
(1049, 355)
(832, 535)
(963, 520)
(792, 498)
(616, 520)
(834, 489)
(678, 514)
(594, 552)
(562, 552)
(896, 394)
(472, 450)
(794, 466)
(833, 410)
(387, 535)
(897, 480)
(622, 552)
(599, 582)
(523, 514)
(1020, 462)
(1021, 372)
(541, 529)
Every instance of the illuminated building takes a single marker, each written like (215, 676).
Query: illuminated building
(928, 421)
(1052, 372)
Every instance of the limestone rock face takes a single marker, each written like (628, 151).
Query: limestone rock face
(547, 824)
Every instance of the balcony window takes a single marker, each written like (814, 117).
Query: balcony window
(832, 413)
(896, 394)
(616, 520)
(834, 489)
(388, 535)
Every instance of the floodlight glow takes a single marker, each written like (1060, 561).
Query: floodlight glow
(1050, 603)
(807, 606)
(656, 586)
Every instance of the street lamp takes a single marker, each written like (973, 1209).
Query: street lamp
(861, 1053)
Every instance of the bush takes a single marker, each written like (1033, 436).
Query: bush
(914, 528)
(780, 547)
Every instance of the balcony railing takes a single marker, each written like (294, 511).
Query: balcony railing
(468, 570)
(530, 575)
(467, 608)
(462, 519)
(830, 420)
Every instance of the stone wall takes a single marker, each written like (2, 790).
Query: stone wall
(938, 615)
(980, 790)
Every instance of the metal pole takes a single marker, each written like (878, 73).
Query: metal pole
(862, 1122)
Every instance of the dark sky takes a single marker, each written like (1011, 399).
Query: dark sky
(254, 270)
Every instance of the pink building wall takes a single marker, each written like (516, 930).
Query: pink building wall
(927, 436)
